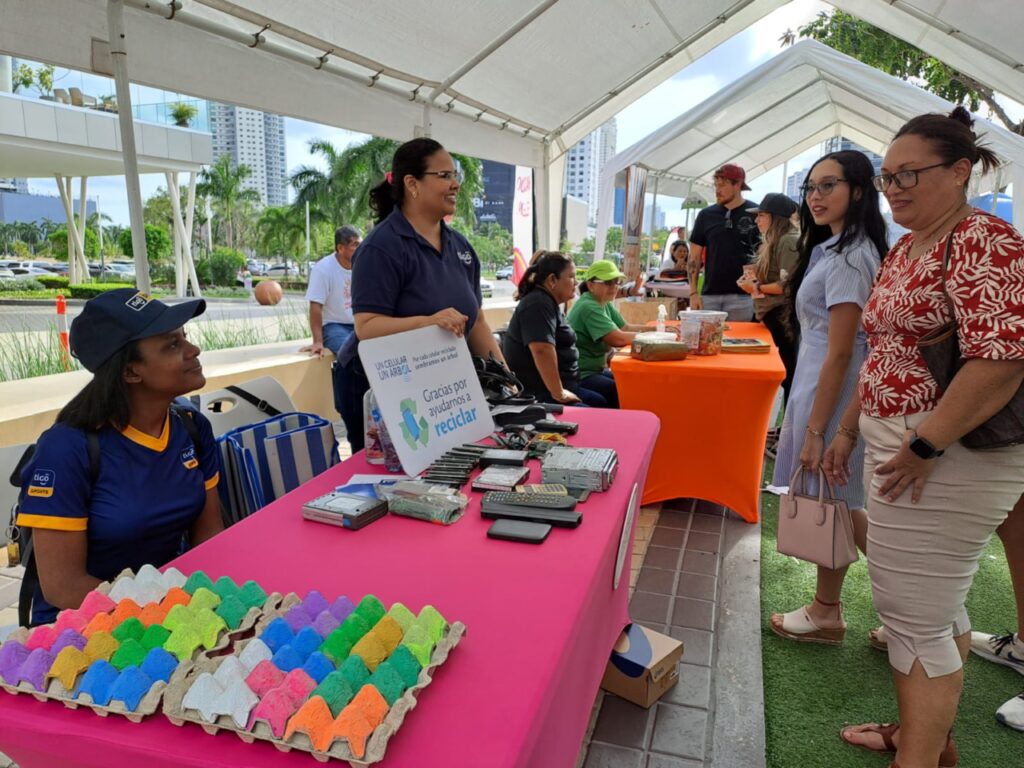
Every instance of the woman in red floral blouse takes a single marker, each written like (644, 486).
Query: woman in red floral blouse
(933, 504)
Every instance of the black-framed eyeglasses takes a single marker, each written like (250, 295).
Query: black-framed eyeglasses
(904, 179)
(823, 188)
(446, 175)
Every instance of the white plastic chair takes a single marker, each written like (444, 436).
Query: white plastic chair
(227, 410)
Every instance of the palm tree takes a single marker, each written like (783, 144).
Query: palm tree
(228, 195)
(281, 230)
(7, 235)
(341, 194)
(28, 233)
(48, 226)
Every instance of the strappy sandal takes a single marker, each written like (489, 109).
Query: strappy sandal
(799, 626)
(878, 640)
(948, 758)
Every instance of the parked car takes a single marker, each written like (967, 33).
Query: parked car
(6, 274)
(256, 268)
(505, 273)
(486, 288)
(120, 270)
(30, 272)
(281, 272)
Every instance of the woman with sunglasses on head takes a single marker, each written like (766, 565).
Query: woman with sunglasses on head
(933, 504)
(412, 270)
(842, 240)
(122, 479)
(776, 259)
(600, 329)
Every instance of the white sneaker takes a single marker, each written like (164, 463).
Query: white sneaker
(1007, 649)
(1011, 714)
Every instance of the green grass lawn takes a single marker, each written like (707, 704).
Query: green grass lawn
(811, 691)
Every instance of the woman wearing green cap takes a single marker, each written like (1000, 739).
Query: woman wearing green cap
(599, 329)
(122, 478)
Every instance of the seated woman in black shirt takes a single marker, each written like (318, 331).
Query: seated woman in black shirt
(539, 346)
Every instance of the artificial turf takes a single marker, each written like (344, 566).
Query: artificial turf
(812, 691)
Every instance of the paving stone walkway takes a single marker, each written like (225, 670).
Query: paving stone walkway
(698, 582)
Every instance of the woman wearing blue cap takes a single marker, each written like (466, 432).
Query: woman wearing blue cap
(599, 329)
(157, 474)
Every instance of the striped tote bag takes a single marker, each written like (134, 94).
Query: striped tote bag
(266, 460)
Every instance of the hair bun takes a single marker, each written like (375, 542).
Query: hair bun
(961, 115)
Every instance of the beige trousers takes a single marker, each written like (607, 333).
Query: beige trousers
(922, 557)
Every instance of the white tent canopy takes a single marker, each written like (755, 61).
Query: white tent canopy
(518, 82)
(802, 96)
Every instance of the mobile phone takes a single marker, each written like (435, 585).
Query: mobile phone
(519, 530)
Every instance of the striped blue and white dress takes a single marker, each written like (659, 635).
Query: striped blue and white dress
(832, 278)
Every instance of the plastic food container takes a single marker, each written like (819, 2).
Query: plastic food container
(701, 330)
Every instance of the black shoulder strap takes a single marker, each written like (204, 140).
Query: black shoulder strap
(250, 398)
(30, 581)
(185, 416)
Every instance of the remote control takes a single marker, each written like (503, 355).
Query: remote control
(559, 518)
(539, 500)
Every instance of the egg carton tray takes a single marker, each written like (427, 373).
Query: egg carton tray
(376, 744)
(150, 702)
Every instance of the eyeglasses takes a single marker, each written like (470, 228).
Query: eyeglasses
(609, 283)
(446, 175)
(903, 179)
(823, 188)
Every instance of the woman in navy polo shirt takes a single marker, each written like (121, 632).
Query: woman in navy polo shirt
(413, 270)
(155, 485)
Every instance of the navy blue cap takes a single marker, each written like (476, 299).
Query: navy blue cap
(114, 318)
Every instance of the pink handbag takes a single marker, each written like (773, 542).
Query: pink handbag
(816, 529)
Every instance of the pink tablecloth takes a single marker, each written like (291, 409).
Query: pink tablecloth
(517, 691)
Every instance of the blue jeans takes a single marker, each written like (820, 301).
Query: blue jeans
(738, 306)
(597, 390)
(335, 334)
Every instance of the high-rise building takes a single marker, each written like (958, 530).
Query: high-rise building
(254, 139)
(584, 163)
(496, 200)
(20, 186)
(793, 184)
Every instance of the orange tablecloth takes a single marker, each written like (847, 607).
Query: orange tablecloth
(714, 415)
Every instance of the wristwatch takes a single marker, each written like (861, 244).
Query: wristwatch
(923, 448)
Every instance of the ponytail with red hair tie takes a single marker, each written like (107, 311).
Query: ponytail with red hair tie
(387, 177)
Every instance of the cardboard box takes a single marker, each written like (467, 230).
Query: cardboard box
(642, 312)
(644, 664)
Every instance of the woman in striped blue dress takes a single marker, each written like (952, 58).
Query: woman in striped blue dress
(842, 242)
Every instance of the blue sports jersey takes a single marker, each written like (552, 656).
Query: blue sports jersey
(149, 492)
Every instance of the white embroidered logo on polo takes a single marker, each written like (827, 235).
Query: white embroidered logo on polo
(465, 257)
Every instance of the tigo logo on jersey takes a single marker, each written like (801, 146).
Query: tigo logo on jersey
(138, 302)
(42, 483)
(188, 458)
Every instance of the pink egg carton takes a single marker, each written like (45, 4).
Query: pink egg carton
(223, 700)
(147, 587)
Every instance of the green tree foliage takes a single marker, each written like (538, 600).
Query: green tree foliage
(877, 48)
(613, 240)
(282, 231)
(493, 245)
(158, 243)
(59, 245)
(221, 267)
(341, 194)
(229, 197)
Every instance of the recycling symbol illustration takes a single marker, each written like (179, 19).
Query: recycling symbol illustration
(412, 430)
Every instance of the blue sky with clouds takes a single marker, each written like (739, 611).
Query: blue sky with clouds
(688, 88)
